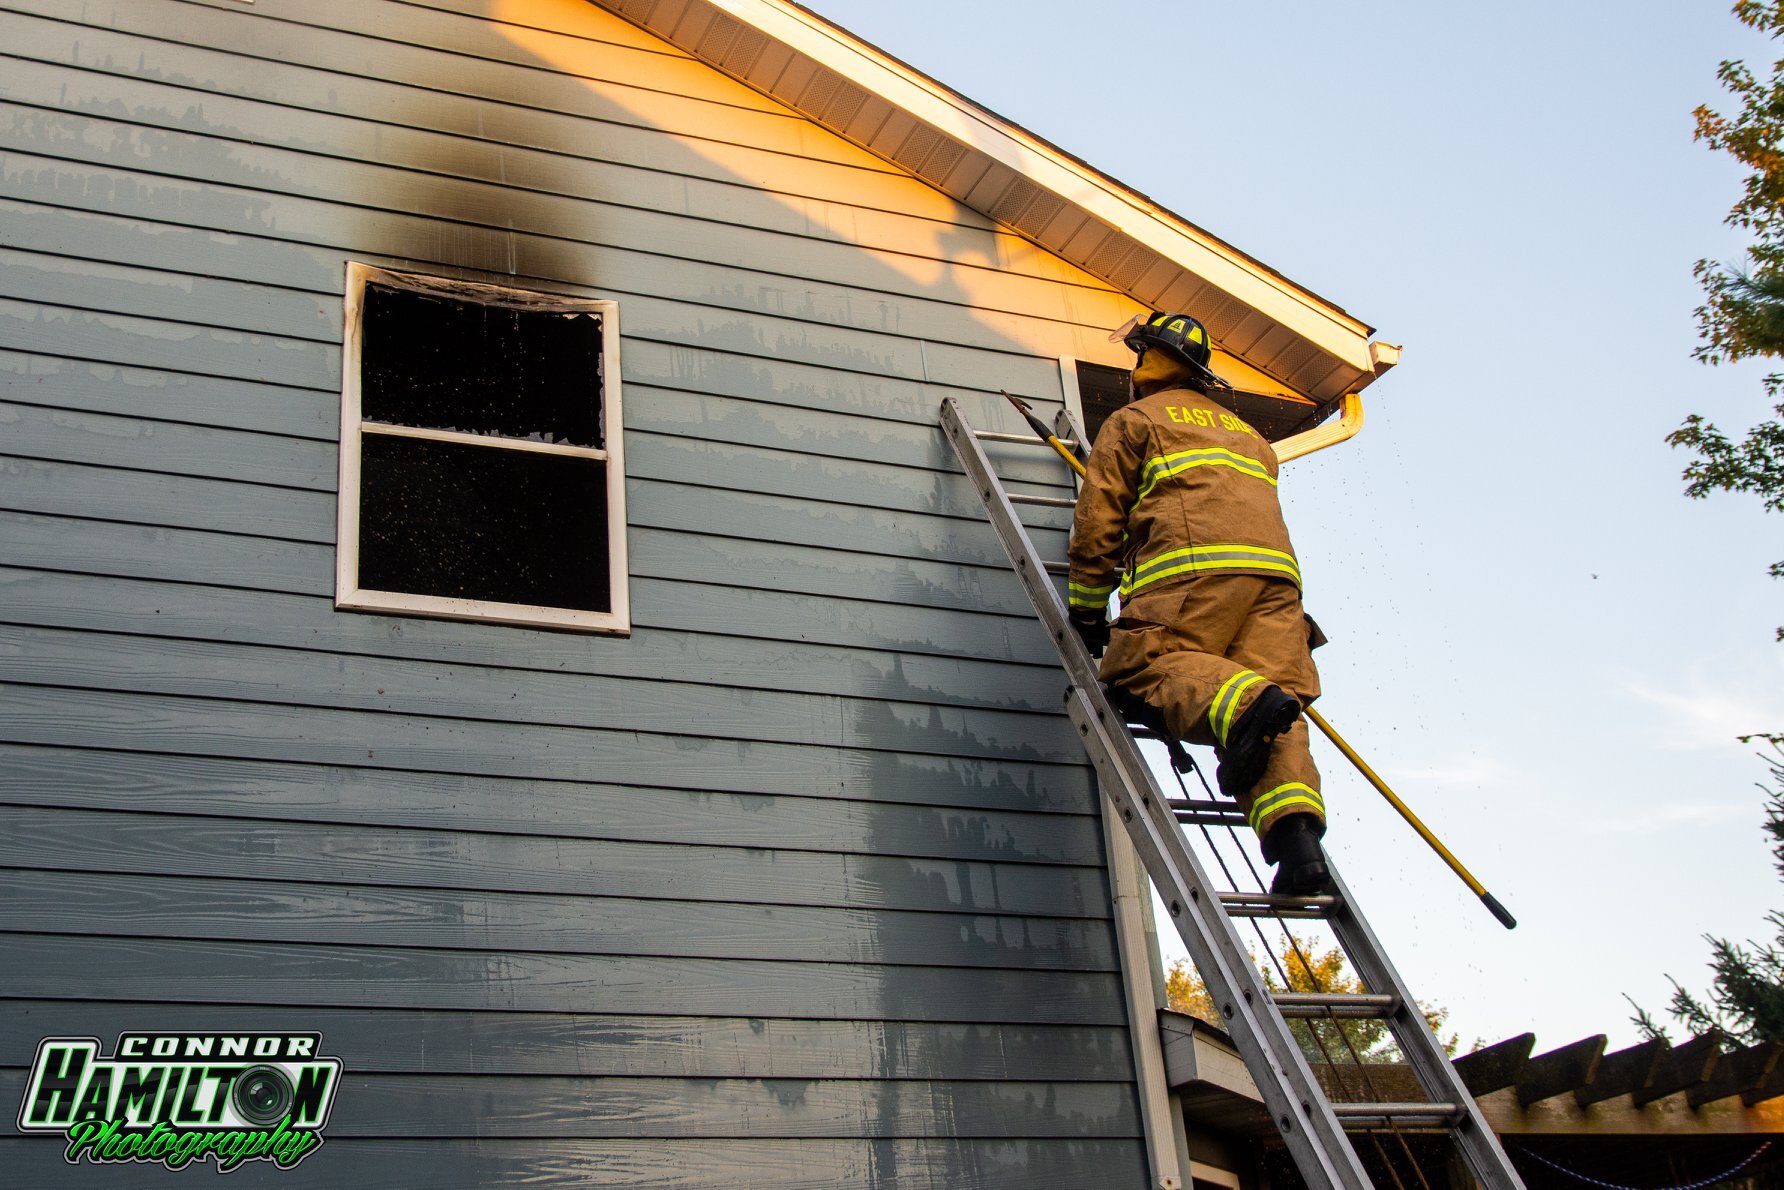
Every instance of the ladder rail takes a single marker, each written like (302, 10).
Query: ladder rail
(1311, 1128)
(1308, 1126)
(1432, 1067)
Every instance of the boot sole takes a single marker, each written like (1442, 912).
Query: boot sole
(1308, 880)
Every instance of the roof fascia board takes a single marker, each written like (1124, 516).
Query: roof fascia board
(1297, 310)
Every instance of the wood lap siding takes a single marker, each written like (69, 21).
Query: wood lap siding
(800, 885)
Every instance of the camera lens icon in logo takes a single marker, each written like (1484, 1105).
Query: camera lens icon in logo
(262, 1095)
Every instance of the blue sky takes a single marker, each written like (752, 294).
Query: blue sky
(1536, 637)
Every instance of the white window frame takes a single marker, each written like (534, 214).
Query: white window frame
(349, 595)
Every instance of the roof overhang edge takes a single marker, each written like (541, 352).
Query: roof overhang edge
(1315, 324)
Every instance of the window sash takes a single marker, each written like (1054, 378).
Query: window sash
(349, 596)
(390, 429)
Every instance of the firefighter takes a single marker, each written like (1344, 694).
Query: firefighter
(1181, 494)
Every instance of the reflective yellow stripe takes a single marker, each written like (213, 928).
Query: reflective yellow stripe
(1226, 701)
(1162, 466)
(1294, 793)
(1211, 557)
(1078, 595)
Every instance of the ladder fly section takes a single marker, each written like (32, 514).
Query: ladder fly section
(1312, 1128)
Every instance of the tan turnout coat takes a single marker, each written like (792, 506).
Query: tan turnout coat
(1177, 487)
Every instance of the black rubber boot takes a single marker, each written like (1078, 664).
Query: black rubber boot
(1293, 846)
(1248, 745)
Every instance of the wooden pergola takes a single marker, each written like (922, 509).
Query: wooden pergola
(1648, 1117)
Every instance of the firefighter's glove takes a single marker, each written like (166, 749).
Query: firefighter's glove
(1092, 627)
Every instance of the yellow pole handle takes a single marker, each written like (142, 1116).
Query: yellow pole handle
(1381, 787)
(1065, 452)
(1040, 427)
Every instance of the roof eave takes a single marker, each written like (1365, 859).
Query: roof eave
(994, 166)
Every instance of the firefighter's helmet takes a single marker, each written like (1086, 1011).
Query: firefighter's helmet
(1177, 335)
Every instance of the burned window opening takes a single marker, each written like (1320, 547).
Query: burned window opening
(439, 362)
(1101, 391)
(479, 479)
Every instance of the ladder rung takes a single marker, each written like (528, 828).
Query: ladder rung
(1188, 818)
(1325, 1004)
(1204, 813)
(1268, 905)
(1044, 501)
(1057, 567)
(1204, 806)
(1357, 1117)
(1020, 439)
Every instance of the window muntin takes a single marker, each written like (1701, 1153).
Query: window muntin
(478, 476)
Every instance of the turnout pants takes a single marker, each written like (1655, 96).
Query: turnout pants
(1202, 651)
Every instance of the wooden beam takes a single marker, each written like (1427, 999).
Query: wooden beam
(1743, 1071)
(1620, 1073)
(1681, 1068)
(1559, 1115)
(1496, 1067)
(1769, 1086)
(1560, 1070)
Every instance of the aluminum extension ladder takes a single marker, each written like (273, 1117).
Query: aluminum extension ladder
(1314, 1129)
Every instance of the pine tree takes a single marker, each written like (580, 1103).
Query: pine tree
(1746, 997)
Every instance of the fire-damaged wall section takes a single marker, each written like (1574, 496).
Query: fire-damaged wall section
(800, 884)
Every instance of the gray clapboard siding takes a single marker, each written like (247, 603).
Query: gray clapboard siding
(148, 906)
(271, 973)
(860, 404)
(376, 46)
(694, 187)
(816, 820)
(105, 381)
(174, 397)
(50, 430)
(63, 468)
(147, 843)
(662, 384)
(625, 1109)
(203, 76)
(204, 669)
(628, 219)
(523, 698)
(35, 138)
(302, 225)
(31, 326)
(214, 787)
(507, 121)
(680, 484)
(726, 310)
(685, 459)
(681, 516)
(155, 722)
(687, 325)
(1010, 1164)
(826, 610)
(397, 1041)
(198, 612)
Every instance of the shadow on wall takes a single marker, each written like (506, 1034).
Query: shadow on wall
(794, 311)
(770, 261)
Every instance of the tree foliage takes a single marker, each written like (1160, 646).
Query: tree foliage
(1320, 1040)
(1743, 311)
(1746, 996)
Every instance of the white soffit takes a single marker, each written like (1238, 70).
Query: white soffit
(1014, 177)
